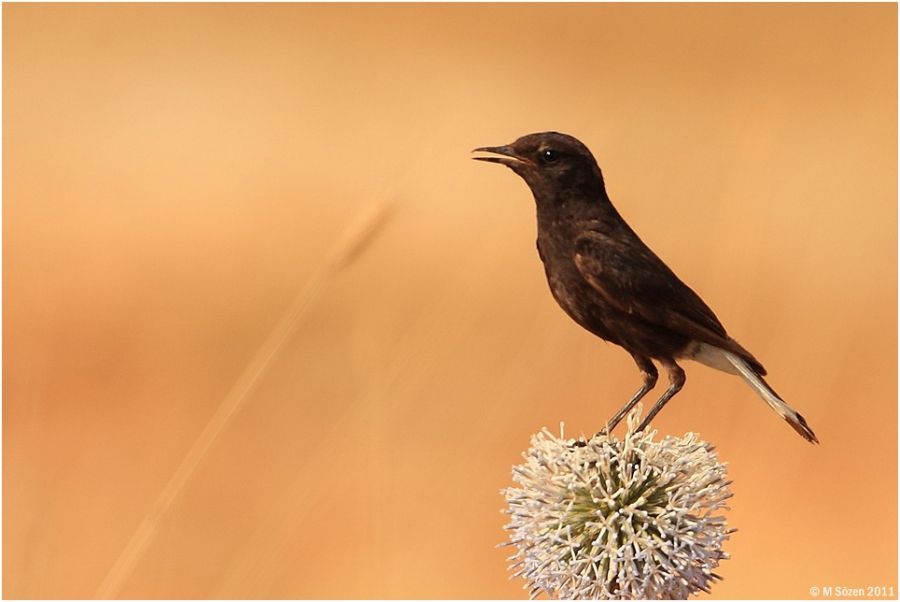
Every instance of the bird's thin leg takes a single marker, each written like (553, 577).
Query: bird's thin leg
(650, 374)
(676, 380)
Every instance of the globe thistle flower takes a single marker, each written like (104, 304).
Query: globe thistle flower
(611, 519)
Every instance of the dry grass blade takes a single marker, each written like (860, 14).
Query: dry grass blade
(354, 240)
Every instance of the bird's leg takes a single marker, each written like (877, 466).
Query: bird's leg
(676, 380)
(650, 374)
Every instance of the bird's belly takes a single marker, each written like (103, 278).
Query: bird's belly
(576, 299)
(593, 313)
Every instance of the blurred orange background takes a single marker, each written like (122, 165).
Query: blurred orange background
(269, 332)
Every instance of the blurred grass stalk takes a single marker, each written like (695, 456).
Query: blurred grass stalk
(352, 242)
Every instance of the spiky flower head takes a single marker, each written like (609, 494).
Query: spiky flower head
(611, 519)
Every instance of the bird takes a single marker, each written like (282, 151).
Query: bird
(613, 285)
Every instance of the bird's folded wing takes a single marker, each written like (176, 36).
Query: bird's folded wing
(633, 279)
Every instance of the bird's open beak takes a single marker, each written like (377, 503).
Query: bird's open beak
(507, 156)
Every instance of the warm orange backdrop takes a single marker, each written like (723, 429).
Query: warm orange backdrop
(176, 178)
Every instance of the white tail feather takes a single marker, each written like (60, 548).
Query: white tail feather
(760, 386)
(775, 402)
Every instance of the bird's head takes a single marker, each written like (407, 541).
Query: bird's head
(552, 164)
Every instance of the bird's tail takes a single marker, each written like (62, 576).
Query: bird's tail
(768, 394)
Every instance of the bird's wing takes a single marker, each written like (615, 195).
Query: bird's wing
(631, 278)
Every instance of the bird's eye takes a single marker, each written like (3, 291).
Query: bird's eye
(549, 156)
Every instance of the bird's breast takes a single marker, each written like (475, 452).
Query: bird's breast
(568, 287)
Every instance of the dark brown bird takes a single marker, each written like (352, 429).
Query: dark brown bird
(604, 276)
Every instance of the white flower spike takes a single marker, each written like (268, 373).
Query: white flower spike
(610, 519)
